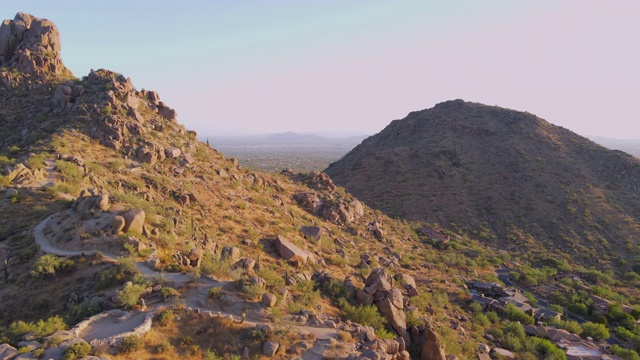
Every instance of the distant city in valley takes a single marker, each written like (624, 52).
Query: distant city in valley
(275, 152)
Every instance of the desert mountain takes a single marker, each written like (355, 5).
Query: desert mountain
(112, 207)
(508, 177)
(122, 235)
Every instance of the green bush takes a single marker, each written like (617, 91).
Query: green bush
(544, 349)
(272, 277)
(624, 353)
(571, 326)
(77, 351)
(36, 162)
(130, 343)
(165, 317)
(42, 328)
(215, 293)
(335, 289)
(130, 295)
(17, 329)
(48, 264)
(363, 315)
(595, 331)
(514, 314)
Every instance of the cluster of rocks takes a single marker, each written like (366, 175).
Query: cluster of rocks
(122, 108)
(52, 347)
(331, 207)
(380, 291)
(20, 174)
(320, 181)
(67, 95)
(31, 45)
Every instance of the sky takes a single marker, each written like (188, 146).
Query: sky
(353, 66)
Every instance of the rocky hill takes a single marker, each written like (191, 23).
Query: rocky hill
(111, 207)
(507, 177)
(122, 236)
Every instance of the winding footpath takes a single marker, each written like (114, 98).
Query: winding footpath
(196, 300)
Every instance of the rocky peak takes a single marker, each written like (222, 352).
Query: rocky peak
(31, 45)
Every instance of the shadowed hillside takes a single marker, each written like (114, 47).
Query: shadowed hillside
(509, 177)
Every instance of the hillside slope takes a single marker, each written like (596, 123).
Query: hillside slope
(101, 173)
(509, 177)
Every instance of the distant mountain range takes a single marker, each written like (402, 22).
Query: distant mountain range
(284, 139)
(630, 146)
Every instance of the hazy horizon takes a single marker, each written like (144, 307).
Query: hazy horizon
(235, 67)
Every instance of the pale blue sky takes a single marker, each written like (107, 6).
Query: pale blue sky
(353, 66)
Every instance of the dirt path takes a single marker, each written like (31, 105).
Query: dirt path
(196, 298)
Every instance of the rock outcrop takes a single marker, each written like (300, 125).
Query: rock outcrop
(379, 290)
(332, 208)
(31, 45)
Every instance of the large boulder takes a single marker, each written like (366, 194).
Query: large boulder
(195, 257)
(269, 300)
(392, 308)
(117, 224)
(291, 252)
(134, 221)
(270, 348)
(230, 253)
(432, 348)
(7, 351)
(312, 232)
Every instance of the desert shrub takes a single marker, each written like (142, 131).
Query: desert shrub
(481, 319)
(624, 353)
(544, 348)
(210, 355)
(335, 289)
(163, 347)
(571, 326)
(306, 295)
(384, 333)
(36, 162)
(123, 272)
(130, 295)
(76, 312)
(344, 336)
(215, 293)
(579, 308)
(77, 351)
(130, 343)
(514, 314)
(253, 291)
(362, 314)
(70, 172)
(16, 330)
(164, 317)
(167, 292)
(48, 264)
(493, 317)
(272, 277)
(595, 331)
(217, 268)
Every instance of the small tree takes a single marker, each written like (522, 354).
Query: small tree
(595, 331)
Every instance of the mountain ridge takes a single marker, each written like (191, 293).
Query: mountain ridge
(467, 163)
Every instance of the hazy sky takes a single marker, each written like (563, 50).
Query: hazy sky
(353, 66)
